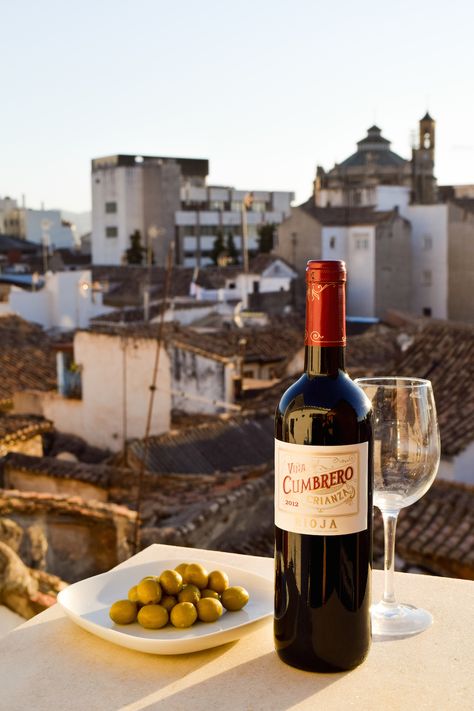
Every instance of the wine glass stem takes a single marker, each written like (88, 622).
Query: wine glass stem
(389, 527)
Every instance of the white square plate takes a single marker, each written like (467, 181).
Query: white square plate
(87, 603)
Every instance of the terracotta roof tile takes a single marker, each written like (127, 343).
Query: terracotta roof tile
(443, 352)
(15, 428)
(124, 284)
(27, 359)
(209, 448)
(437, 532)
(26, 502)
(99, 474)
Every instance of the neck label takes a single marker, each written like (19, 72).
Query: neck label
(321, 491)
(325, 313)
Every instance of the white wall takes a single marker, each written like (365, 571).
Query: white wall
(67, 301)
(387, 197)
(59, 235)
(360, 265)
(464, 466)
(429, 221)
(124, 186)
(115, 370)
(202, 380)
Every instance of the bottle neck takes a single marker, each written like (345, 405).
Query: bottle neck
(325, 333)
(327, 360)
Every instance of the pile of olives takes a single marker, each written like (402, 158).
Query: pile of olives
(180, 596)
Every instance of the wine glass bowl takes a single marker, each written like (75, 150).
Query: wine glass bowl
(406, 460)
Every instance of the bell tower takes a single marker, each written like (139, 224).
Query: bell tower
(423, 158)
(427, 133)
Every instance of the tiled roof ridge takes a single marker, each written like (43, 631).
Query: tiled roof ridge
(203, 429)
(205, 510)
(23, 433)
(61, 468)
(177, 343)
(13, 500)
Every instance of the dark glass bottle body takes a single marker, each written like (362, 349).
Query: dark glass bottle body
(322, 583)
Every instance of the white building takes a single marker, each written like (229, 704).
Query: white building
(63, 301)
(267, 274)
(40, 226)
(207, 212)
(167, 200)
(104, 388)
(6, 205)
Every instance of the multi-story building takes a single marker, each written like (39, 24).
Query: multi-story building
(166, 200)
(207, 212)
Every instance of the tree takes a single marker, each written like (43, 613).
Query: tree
(217, 248)
(266, 234)
(135, 252)
(232, 249)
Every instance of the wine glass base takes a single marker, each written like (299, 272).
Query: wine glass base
(398, 620)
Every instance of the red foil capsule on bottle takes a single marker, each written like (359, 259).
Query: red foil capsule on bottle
(325, 303)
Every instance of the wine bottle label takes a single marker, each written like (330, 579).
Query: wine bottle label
(321, 490)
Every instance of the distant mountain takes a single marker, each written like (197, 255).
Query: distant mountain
(82, 220)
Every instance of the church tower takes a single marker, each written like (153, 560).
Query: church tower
(423, 158)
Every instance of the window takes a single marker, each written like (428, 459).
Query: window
(111, 232)
(362, 243)
(217, 205)
(426, 276)
(332, 243)
(110, 207)
(427, 311)
(427, 242)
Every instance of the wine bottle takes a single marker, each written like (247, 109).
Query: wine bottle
(323, 495)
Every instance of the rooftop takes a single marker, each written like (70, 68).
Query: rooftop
(17, 428)
(189, 166)
(209, 448)
(27, 358)
(345, 216)
(437, 532)
(99, 474)
(440, 352)
(123, 285)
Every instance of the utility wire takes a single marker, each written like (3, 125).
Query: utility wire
(151, 401)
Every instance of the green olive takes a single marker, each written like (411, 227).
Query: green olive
(234, 598)
(153, 617)
(196, 574)
(184, 614)
(209, 593)
(181, 568)
(171, 582)
(218, 581)
(209, 609)
(123, 612)
(132, 594)
(190, 593)
(148, 592)
(168, 602)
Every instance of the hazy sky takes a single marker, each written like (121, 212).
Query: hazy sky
(266, 89)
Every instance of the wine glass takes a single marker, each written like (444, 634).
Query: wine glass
(406, 459)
